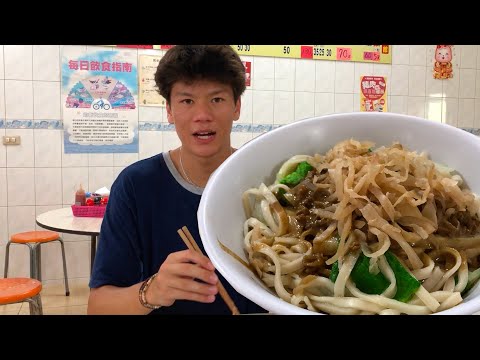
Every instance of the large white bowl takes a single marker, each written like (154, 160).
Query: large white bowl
(221, 215)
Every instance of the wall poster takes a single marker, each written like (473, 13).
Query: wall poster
(100, 100)
(373, 93)
(149, 95)
(248, 73)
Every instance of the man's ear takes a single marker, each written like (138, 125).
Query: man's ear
(169, 114)
(238, 107)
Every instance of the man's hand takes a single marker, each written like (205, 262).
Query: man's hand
(178, 277)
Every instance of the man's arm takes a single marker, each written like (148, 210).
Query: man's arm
(176, 279)
(110, 299)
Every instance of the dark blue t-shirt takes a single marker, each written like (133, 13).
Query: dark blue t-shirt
(149, 201)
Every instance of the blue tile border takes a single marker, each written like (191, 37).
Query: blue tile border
(149, 126)
(32, 124)
(241, 127)
(254, 128)
(19, 124)
(237, 127)
(48, 124)
(155, 126)
(168, 127)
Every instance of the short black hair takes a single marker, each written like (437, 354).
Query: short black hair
(190, 63)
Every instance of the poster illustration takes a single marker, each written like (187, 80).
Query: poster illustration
(373, 93)
(100, 101)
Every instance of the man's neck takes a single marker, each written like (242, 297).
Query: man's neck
(197, 170)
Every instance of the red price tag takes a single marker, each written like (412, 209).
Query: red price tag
(306, 52)
(371, 55)
(344, 54)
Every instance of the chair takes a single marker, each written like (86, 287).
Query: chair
(34, 239)
(16, 290)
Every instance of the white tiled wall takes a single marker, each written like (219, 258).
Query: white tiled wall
(37, 176)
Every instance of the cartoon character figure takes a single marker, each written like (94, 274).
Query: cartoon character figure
(377, 106)
(368, 105)
(76, 104)
(442, 68)
(94, 85)
(106, 82)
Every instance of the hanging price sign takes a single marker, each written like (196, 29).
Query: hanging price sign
(380, 54)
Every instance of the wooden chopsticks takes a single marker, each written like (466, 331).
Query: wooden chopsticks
(192, 245)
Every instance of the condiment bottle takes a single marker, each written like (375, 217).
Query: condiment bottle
(80, 196)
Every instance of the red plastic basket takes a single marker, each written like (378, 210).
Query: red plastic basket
(88, 211)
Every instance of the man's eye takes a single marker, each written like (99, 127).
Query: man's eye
(187, 101)
(217, 100)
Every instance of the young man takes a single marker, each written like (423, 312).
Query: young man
(142, 263)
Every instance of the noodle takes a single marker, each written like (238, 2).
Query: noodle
(356, 231)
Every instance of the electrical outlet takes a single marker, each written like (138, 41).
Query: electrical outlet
(11, 140)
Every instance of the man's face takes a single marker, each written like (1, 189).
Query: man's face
(203, 113)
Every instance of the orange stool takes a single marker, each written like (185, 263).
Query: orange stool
(33, 239)
(15, 290)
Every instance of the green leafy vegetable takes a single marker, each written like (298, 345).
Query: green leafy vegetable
(334, 271)
(473, 277)
(376, 284)
(303, 168)
(298, 175)
(407, 285)
(366, 281)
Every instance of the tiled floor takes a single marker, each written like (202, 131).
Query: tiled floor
(54, 301)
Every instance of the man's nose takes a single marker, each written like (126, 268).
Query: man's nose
(203, 111)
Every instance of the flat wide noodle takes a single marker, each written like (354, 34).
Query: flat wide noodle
(304, 241)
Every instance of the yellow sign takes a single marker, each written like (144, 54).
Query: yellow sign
(380, 54)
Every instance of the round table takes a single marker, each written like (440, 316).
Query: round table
(62, 220)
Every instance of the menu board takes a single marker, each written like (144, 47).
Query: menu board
(380, 54)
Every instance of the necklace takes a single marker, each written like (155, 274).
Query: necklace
(185, 173)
